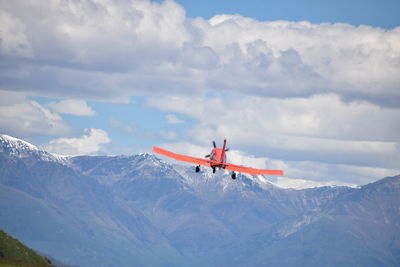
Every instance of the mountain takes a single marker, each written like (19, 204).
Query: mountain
(359, 227)
(14, 253)
(70, 216)
(140, 211)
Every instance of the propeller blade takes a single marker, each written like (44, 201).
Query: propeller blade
(214, 144)
(207, 156)
(227, 149)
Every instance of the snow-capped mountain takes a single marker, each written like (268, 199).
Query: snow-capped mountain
(19, 148)
(141, 211)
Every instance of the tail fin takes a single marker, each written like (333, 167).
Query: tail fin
(223, 152)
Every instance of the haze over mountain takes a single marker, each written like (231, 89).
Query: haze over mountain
(141, 211)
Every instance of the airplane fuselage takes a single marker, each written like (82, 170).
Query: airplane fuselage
(218, 154)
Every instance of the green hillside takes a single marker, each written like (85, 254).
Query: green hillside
(14, 253)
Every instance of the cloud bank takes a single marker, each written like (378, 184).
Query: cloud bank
(316, 99)
(89, 143)
(22, 117)
(111, 50)
(72, 107)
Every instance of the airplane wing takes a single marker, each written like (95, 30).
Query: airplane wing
(239, 168)
(204, 162)
(210, 163)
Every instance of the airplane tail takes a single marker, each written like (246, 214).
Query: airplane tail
(223, 152)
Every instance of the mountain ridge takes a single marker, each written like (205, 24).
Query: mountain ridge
(23, 149)
(138, 209)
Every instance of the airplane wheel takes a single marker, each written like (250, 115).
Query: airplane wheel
(233, 176)
(197, 168)
(213, 170)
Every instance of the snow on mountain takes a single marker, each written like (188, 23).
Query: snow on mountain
(22, 149)
(140, 210)
(15, 147)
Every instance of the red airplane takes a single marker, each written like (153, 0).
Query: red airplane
(217, 159)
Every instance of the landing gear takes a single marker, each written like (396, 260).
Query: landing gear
(233, 175)
(197, 168)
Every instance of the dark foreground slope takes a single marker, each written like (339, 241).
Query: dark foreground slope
(140, 211)
(14, 253)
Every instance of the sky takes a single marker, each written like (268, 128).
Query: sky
(309, 87)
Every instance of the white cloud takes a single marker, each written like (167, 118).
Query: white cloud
(168, 134)
(13, 37)
(11, 98)
(285, 182)
(278, 89)
(72, 106)
(187, 149)
(22, 117)
(340, 55)
(298, 174)
(322, 129)
(173, 119)
(111, 50)
(332, 174)
(320, 116)
(89, 143)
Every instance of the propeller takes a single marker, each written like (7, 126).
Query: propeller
(207, 156)
(227, 149)
(214, 144)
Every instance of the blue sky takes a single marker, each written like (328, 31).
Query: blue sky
(369, 12)
(311, 87)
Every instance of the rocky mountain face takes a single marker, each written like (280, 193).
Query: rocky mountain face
(140, 211)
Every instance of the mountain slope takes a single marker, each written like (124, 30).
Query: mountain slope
(139, 210)
(14, 253)
(359, 228)
(78, 219)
